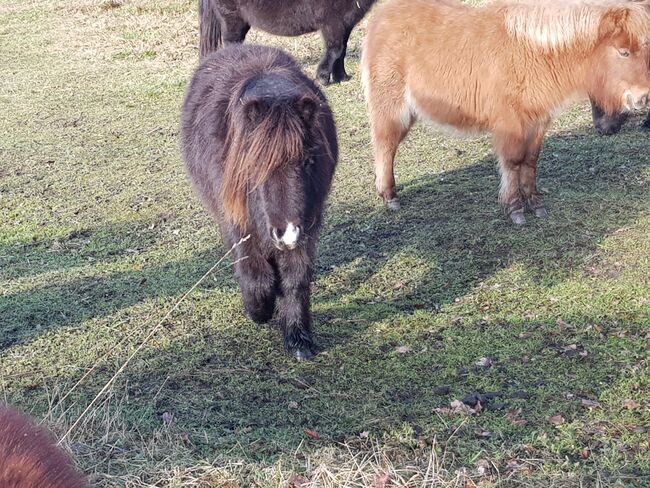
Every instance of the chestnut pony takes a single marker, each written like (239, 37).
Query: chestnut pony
(503, 68)
(29, 457)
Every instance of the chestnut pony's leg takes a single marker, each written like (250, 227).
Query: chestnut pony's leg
(533, 200)
(510, 146)
(390, 121)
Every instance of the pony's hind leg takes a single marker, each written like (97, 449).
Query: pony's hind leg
(533, 200)
(338, 70)
(294, 312)
(234, 29)
(511, 151)
(387, 133)
(335, 39)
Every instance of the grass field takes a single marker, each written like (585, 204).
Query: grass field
(100, 235)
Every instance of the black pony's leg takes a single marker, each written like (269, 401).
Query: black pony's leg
(646, 123)
(335, 42)
(258, 282)
(338, 70)
(294, 312)
(234, 29)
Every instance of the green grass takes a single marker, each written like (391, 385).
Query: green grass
(100, 235)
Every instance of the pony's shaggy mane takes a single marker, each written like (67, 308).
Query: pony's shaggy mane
(558, 25)
(253, 153)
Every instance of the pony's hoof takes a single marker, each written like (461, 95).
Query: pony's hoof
(540, 213)
(342, 79)
(393, 204)
(323, 79)
(517, 217)
(303, 354)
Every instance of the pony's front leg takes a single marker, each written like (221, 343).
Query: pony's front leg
(533, 200)
(258, 282)
(387, 133)
(294, 311)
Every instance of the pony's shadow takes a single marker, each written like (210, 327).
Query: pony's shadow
(451, 225)
(25, 315)
(450, 234)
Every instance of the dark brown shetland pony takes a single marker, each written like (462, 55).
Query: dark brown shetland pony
(504, 68)
(29, 457)
(260, 147)
(228, 21)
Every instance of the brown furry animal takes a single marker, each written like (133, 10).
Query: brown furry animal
(504, 68)
(29, 457)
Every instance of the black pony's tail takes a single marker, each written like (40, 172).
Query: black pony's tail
(209, 28)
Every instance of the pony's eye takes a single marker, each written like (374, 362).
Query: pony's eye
(624, 53)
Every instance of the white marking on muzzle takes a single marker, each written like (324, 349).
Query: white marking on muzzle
(628, 100)
(291, 235)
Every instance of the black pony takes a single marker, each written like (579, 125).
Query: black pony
(228, 21)
(607, 124)
(260, 147)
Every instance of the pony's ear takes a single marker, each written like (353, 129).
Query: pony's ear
(613, 22)
(307, 108)
(253, 110)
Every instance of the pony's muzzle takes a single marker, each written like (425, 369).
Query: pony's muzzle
(286, 238)
(636, 99)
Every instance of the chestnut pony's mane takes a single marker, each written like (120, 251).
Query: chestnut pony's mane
(554, 25)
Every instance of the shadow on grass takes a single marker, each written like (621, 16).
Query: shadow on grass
(450, 234)
(449, 237)
(233, 393)
(450, 224)
(23, 315)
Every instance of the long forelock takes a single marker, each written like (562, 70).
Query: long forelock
(253, 154)
(549, 25)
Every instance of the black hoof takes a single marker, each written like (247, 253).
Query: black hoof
(323, 79)
(517, 217)
(305, 354)
(342, 78)
(300, 345)
(393, 204)
(608, 129)
(260, 317)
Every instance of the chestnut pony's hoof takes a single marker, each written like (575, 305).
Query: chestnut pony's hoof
(517, 217)
(393, 204)
(540, 213)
